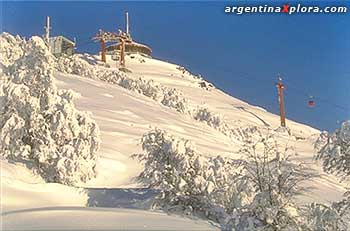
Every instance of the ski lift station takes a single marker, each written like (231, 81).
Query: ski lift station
(60, 46)
(130, 47)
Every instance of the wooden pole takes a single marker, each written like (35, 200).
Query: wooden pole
(122, 53)
(103, 50)
(280, 89)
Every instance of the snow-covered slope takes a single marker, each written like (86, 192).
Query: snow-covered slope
(123, 116)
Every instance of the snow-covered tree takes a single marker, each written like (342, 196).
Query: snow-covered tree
(39, 124)
(321, 141)
(213, 120)
(77, 64)
(320, 217)
(11, 49)
(172, 166)
(335, 154)
(218, 122)
(189, 183)
(275, 179)
(174, 99)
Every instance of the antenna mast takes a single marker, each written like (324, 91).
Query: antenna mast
(47, 31)
(127, 24)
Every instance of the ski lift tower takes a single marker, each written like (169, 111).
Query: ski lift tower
(129, 46)
(103, 37)
(123, 43)
(280, 90)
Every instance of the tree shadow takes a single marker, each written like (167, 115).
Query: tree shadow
(92, 60)
(131, 198)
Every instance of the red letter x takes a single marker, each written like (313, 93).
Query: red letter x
(285, 9)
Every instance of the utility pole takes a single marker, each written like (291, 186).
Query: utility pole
(47, 32)
(127, 24)
(280, 89)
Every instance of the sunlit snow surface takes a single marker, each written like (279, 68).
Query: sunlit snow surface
(113, 200)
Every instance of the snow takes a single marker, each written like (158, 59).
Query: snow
(11, 49)
(78, 218)
(123, 114)
(21, 189)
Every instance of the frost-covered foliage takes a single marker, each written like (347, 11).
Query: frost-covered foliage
(76, 65)
(324, 218)
(335, 154)
(321, 141)
(217, 121)
(334, 151)
(189, 183)
(213, 120)
(255, 193)
(173, 98)
(39, 124)
(11, 48)
(276, 181)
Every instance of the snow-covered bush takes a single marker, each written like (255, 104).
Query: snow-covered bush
(321, 140)
(146, 88)
(276, 181)
(334, 151)
(39, 124)
(173, 98)
(11, 48)
(213, 120)
(76, 65)
(189, 183)
(335, 154)
(324, 218)
(172, 166)
(217, 122)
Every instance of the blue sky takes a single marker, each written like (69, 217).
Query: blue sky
(241, 55)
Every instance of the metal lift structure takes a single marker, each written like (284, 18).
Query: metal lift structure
(104, 37)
